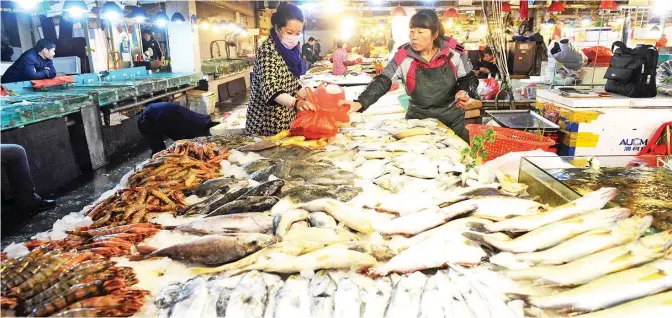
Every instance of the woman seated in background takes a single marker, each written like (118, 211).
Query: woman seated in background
(340, 60)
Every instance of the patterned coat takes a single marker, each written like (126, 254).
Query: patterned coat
(271, 78)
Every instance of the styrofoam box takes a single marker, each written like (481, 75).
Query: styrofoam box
(553, 95)
(619, 131)
(658, 101)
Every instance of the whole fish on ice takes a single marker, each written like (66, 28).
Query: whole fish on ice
(322, 291)
(273, 284)
(499, 208)
(248, 299)
(405, 299)
(555, 233)
(282, 221)
(589, 203)
(347, 300)
(167, 298)
(659, 305)
(234, 223)
(415, 223)
(293, 299)
(193, 298)
(325, 258)
(377, 298)
(624, 231)
(343, 213)
(591, 267)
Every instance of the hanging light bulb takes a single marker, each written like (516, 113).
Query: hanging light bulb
(177, 18)
(161, 18)
(585, 22)
(75, 9)
(28, 4)
(139, 14)
(204, 25)
(111, 11)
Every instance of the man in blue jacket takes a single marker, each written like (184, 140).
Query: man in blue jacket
(34, 64)
(172, 120)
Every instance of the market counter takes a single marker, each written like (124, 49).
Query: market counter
(614, 125)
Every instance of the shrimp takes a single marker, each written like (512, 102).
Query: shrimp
(94, 312)
(91, 273)
(126, 299)
(77, 293)
(48, 276)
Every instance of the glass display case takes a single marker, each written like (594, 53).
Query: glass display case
(221, 66)
(644, 183)
(18, 111)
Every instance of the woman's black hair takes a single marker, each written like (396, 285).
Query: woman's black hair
(427, 19)
(285, 13)
(339, 44)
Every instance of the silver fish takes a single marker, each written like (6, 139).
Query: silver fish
(167, 298)
(377, 298)
(555, 233)
(282, 221)
(499, 208)
(431, 302)
(593, 266)
(624, 231)
(433, 252)
(322, 291)
(347, 300)
(330, 258)
(478, 307)
(589, 203)
(405, 299)
(415, 223)
(193, 298)
(343, 213)
(659, 305)
(248, 300)
(399, 243)
(232, 223)
(321, 219)
(273, 283)
(613, 289)
(225, 287)
(496, 304)
(293, 299)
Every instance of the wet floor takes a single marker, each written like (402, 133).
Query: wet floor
(17, 227)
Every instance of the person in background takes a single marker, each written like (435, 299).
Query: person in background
(34, 64)
(662, 42)
(486, 66)
(176, 122)
(150, 46)
(7, 50)
(15, 164)
(436, 79)
(309, 52)
(365, 48)
(340, 60)
(275, 88)
(318, 48)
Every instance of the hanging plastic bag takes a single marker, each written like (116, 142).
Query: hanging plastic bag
(327, 97)
(314, 124)
(491, 89)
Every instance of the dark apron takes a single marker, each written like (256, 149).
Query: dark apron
(435, 90)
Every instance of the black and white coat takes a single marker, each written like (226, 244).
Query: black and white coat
(265, 117)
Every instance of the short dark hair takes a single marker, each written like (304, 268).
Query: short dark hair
(427, 19)
(285, 13)
(487, 51)
(44, 44)
(147, 32)
(311, 39)
(339, 44)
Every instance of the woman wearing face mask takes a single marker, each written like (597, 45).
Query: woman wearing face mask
(432, 68)
(274, 96)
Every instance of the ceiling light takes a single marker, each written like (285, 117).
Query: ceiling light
(399, 12)
(111, 11)
(75, 9)
(139, 14)
(28, 4)
(160, 18)
(204, 25)
(177, 18)
(585, 22)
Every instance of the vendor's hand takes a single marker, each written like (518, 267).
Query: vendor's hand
(302, 93)
(354, 106)
(462, 98)
(304, 105)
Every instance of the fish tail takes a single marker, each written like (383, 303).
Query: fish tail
(477, 227)
(526, 298)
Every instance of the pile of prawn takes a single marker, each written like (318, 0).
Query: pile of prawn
(135, 205)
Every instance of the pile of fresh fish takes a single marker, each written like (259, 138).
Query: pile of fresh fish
(447, 293)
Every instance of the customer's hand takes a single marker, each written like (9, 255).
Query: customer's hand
(304, 105)
(462, 98)
(354, 106)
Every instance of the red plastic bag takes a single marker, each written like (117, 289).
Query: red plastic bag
(491, 89)
(317, 124)
(327, 97)
(314, 125)
(599, 55)
(56, 81)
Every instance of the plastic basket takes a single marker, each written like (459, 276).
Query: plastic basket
(510, 140)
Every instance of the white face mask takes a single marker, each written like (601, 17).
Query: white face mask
(289, 41)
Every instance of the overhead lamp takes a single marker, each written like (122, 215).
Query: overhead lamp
(655, 28)
(608, 5)
(139, 14)
(161, 18)
(655, 20)
(399, 12)
(506, 7)
(177, 18)
(451, 13)
(111, 11)
(28, 4)
(204, 25)
(75, 9)
(224, 25)
(556, 6)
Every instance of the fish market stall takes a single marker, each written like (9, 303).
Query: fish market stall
(595, 125)
(389, 218)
